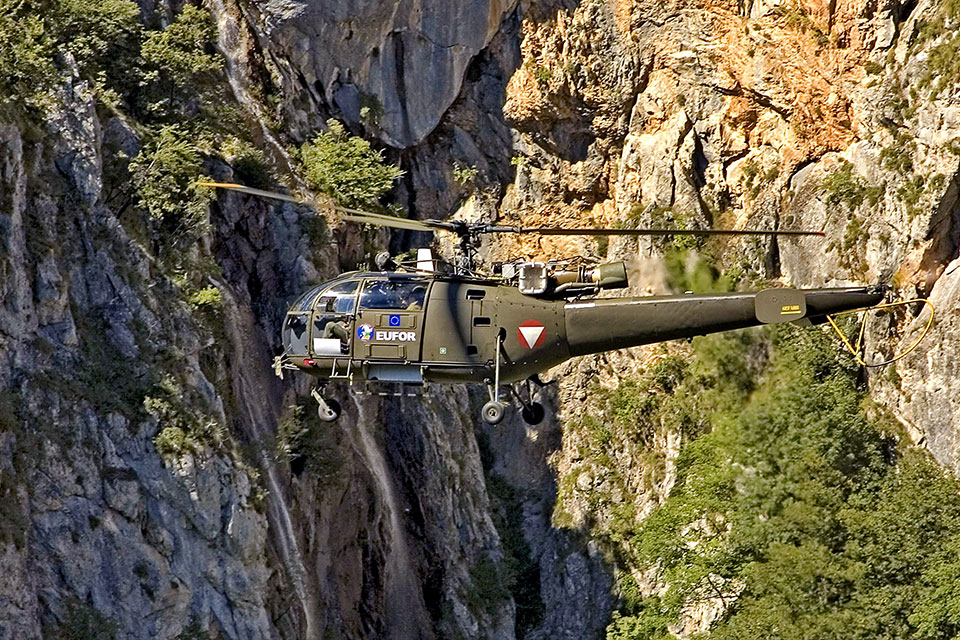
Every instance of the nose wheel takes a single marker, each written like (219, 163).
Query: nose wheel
(328, 409)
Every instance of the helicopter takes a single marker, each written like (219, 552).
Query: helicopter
(430, 321)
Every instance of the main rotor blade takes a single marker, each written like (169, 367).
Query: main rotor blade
(255, 192)
(555, 231)
(355, 215)
(365, 217)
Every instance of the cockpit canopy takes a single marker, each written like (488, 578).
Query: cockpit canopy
(342, 295)
(338, 301)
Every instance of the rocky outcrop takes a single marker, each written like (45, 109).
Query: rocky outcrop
(394, 67)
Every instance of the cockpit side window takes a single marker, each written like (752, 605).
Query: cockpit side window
(295, 333)
(343, 296)
(393, 294)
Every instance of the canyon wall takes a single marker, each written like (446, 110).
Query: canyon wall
(839, 116)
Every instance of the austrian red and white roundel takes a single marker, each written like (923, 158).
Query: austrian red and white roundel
(531, 334)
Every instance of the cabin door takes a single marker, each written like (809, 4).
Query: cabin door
(389, 325)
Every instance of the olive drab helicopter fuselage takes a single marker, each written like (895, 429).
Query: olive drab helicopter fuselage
(451, 323)
(413, 328)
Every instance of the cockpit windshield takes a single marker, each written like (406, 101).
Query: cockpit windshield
(393, 294)
(307, 300)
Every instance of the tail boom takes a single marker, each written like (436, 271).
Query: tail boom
(615, 323)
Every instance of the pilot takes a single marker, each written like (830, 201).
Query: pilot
(414, 301)
(339, 328)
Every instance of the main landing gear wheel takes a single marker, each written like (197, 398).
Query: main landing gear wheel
(533, 413)
(493, 412)
(328, 409)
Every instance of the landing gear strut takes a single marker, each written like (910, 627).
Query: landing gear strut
(494, 410)
(328, 409)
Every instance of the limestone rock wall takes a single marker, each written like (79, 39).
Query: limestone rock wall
(602, 112)
(394, 67)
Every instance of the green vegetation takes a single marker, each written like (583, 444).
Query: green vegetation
(105, 377)
(41, 40)
(181, 80)
(844, 186)
(194, 631)
(346, 168)
(542, 74)
(9, 415)
(464, 175)
(490, 584)
(184, 428)
(306, 444)
(796, 505)
(519, 571)
(910, 193)
(660, 217)
(14, 523)
(853, 247)
(371, 111)
(603, 246)
(678, 394)
(756, 179)
(899, 155)
(165, 173)
(168, 84)
(83, 622)
(250, 164)
(174, 442)
(690, 270)
(943, 61)
(180, 52)
(207, 297)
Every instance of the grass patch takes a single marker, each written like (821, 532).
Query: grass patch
(843, 186)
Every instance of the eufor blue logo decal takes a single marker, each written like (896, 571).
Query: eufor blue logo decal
(365, 332)
(394, 321)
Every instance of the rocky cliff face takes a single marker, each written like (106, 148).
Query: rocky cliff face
(838, 115)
